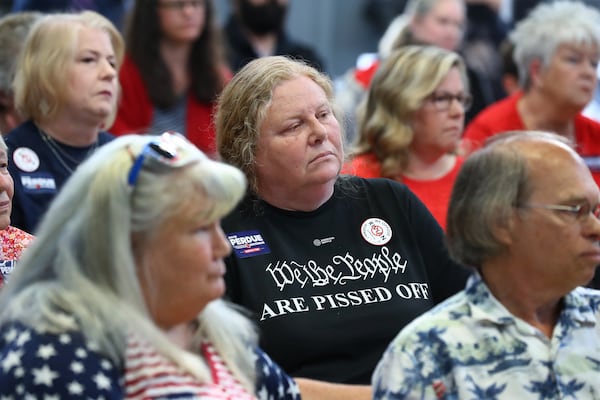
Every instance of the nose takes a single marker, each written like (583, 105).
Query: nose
(318, 132)
(109, 71)
(6, 183)
(222, 247)
(457, 108)
(593, 227)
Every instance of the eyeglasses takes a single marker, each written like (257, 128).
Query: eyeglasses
(442, 101)
(163, 149)
(579, 212)
(180, 5)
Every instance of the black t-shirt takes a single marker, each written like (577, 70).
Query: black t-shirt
(332, 287)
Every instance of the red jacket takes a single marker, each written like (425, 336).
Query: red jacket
(135, 111)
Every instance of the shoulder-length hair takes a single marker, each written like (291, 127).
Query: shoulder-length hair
(399, 88)
(82, 263)
(244, 102)
(40, 83)
(206, 64)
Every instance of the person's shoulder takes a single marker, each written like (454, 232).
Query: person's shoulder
(584, 123)
(272, 379)
(448, 315)
(496, 112)
(105, 137)
(363, 165)
(497, 117)
(23, 134)
(582, 297)
(357, 187)
(14, 241)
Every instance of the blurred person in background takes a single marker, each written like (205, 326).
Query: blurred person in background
(557, 59)
(411, 123)
(114, 10)
(66, 90)
(256, 28)
(173, 70)
(13, 31)
(12, 240)
(439, 23)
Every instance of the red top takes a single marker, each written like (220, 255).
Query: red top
(503, 116)
(136, 110)
(365, 76)
(435, 193)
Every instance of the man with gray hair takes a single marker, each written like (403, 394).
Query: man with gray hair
(557, 48)
(13, 30)
(524, 213)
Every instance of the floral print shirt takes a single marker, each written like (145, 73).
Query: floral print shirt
(472, 347)
(12, 241)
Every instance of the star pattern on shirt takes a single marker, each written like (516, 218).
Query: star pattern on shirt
(46, 351)
(43, 376)
(47, 366)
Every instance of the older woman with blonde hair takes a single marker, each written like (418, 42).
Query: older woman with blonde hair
(331, 266)
(411, 124)
(119, 295)
(66, 89)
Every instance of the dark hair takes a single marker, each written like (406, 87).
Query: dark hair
(206, 63)
(508, 63)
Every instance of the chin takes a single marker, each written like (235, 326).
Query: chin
(4, 222)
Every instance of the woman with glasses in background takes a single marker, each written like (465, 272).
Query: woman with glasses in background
(118, 296)
(411, 124)
(173, 70)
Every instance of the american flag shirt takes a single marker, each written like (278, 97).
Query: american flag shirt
(49, 366)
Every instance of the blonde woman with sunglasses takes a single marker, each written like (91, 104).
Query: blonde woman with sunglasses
(118, 297)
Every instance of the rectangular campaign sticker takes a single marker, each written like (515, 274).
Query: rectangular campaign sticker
(248, 244)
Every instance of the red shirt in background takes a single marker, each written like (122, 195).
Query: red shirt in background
(435, 194)
(503, 116)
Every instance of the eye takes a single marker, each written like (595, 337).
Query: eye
(573, 58)
(581, 210)
(596, 211)
(324, 114)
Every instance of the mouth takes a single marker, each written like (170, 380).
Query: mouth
(322, 156)
(593, 255)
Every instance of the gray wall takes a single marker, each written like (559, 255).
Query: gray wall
(335, 28)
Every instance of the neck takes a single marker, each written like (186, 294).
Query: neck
(176, 57)
(428, 166)
(301, 200)
(70, 131)
(539, 112)
(522, 297)
(182, 335)
(263, 45)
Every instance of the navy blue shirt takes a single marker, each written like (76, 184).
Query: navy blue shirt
(40, 169)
